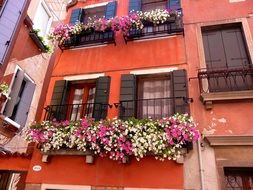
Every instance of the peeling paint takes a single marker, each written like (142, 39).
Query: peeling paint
(208, 132)
(222, 120)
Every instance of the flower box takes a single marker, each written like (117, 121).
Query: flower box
(38, 42)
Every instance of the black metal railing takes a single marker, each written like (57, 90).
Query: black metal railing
(173, 26)
(225, 79)
(155, 108)
(75, 112)
(91, 38)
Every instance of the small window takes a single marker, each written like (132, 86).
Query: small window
(238, 178)
(42, 19)
(94, 13)
(149, 5)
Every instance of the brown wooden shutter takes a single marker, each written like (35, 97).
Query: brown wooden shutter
(59, 97)
(127, 96)
(101, 97)
(24, 104)
(180, 91)
(19, 77)
(4, 179)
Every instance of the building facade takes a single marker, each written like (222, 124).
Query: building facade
(25, 61)
(199, 61)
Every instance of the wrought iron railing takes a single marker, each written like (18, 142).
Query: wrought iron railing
(89, 39)
(155, 108)
(173, 26)
(225, 79)
(75, 112)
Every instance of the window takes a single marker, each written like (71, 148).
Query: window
(98, 12)
(77, 99)
(22, 90)
(228, 67)
(12, 180)
(238, 178)
(149, 5)
(42, 19)
(156, 95)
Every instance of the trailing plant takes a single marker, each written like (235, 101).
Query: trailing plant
(48, 48)
(116, 138)
(4, 89)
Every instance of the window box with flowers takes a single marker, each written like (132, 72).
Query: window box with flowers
(39, 41)
(116, 138)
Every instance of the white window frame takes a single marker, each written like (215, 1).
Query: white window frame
(49, 23)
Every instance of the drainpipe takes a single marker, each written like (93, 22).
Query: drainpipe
(201, 169)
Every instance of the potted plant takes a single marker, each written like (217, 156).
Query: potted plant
(4, 89)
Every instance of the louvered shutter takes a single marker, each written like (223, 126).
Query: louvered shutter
(174, 5)
(25, 103)
(9, 20)
(101, 97)
(14, 93)
(180, 91)
(134, 5)
(127, 96)
(76, 15)
(58, 108)
(110, 10)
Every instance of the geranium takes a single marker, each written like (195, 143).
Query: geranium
(116, 138)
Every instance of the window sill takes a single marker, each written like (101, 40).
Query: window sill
(208, 98)
(8, 127)
(38, 42)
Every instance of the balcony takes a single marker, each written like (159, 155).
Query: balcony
(225, 84)
(87, 39)
(173, 26)
(74, 112)
(155, 108)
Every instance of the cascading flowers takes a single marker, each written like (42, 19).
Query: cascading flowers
(135, 20)
(117, 138)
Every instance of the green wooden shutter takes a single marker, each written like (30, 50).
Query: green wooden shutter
(180, 91)
(59, 97)
(127, 96)
(111, 10)
(76, 15)
(134, 5)
(101, 97)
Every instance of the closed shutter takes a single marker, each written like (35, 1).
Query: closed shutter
(24, 104)
(76, 15)
(174, 5)
(110, 10)
(9, 20)
(101, 97)
(127, 96)
(134, 5)
(4, 179)
(180, 91)
(58, 108)
(14, 93)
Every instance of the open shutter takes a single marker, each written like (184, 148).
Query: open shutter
(14, 93)
(9, 19)
(76, 15)
(101, 97)
(127, 96)
(59, 97)
(134, 5)
(180, 91)
(174, 5)
(24, 104)
(110, 10)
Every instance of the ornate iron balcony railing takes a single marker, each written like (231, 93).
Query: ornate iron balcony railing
(173, 26)
(74, 112)
(155, 108)
(89, 39)
(225, 79)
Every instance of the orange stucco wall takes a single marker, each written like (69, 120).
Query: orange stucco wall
(226, 117)
(14, 163)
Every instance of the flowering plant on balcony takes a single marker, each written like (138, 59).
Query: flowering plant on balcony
(4, 89)
(116, 138)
